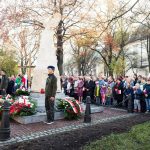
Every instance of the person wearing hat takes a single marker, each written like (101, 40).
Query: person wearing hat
(50, 92)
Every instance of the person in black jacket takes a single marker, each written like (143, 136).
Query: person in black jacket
(89, 86)
(65, 85)
(135, 79)
(50, 92)
(4, 83)
(118, 89)
(70, 87)
(129, 96)
(11, 84)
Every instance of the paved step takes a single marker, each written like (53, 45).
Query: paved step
(40, 117)
(40, 100)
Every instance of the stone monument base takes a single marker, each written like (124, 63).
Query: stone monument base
(41, 114)
(40, 99)
(40, 117)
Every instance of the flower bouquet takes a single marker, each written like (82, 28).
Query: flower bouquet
(23, 107)
(71, 107)
(7, 98)
(22, 91)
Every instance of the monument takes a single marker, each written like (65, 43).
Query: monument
(46, 56)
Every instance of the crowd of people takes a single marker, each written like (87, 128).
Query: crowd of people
(8, 85)
(103, 90)
(110, 91)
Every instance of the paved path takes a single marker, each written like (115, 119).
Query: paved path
(27, 132)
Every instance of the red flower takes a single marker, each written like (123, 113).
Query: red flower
(42, 91)
(12, 109)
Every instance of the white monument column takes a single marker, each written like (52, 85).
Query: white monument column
(46, 55)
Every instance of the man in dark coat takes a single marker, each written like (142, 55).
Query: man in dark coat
(4, 83)
(89, 88)
(118, 89)
(50, 92)
(11, 86)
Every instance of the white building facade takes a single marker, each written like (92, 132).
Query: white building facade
(137, 58)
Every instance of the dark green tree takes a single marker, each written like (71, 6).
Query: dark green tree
(8, 62)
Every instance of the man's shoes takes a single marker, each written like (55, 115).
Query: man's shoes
(147, 112)
(46, 122)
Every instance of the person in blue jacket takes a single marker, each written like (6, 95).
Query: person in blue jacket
(138, 93)
(147, 95)
(128, 93)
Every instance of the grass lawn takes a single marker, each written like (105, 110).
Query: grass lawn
(138, 138)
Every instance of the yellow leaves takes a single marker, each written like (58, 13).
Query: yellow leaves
(85, 37)
(119, 66)
(82, 42)
(8, 62)
(110, 42)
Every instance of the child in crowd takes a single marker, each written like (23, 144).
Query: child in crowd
(103, 94)
(108, 96)
(97, 92)
(80, 89)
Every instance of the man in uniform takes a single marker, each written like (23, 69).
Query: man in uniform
(50, 92)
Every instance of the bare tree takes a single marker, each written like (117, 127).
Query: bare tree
(69, 67)
(114, 32)
(111, 46)
(84, 58)
(32, 13)
(26, 41)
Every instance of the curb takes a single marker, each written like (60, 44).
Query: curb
(60, 130)
(118, 109)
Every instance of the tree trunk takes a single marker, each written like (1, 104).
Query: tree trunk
(60, 61)
(23, 68)
(123, 65)
(60, 47)
(110, 71)
(79, 68)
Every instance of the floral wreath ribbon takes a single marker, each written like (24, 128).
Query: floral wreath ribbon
(73, 106)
